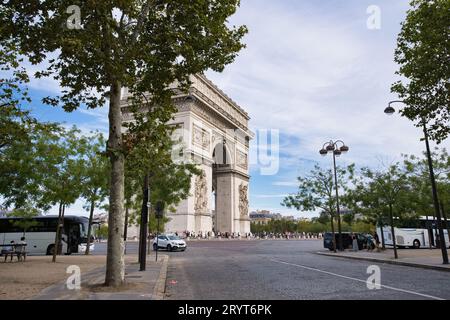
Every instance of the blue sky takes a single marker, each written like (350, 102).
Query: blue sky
(313, 71)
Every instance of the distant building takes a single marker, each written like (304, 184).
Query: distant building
(277, 216)
(100, 218)
(265, 216)
(260, 218)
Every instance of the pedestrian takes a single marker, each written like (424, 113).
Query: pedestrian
(9, 250)
(377, 241)
(370, 245)
(355, 242)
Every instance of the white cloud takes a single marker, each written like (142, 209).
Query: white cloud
(285, 183)
(319, 74)
(264, 196)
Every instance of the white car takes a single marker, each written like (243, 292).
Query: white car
(82, 247)
(170, 242)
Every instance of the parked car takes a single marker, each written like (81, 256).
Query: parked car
(170, 242)
(346, 240)
(82, 247)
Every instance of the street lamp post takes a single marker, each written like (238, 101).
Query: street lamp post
(333, 146)
(389, 111)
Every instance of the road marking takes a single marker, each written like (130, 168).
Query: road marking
(356, 279)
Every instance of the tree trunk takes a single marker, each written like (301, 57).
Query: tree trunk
(62, 231)
(394, 242)
(125, 226)
(332, 231)
(91, 216)
(444, 215)
(58, 231)
(149, 244)
(115, 267)
(144, 225)
(383, 244)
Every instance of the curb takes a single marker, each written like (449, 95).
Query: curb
(160, 286)
(401, 263)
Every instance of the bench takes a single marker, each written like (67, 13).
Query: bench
(17, 251)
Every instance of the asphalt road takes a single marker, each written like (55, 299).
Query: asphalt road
(101, 248)
(289, 270)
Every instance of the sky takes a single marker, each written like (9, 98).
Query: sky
(312, 71)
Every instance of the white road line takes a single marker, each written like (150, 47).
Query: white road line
(359, 280)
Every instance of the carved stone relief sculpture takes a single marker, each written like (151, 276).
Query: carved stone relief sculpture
(201, 137)
(242, 160)
(243, 199)
(201, 193)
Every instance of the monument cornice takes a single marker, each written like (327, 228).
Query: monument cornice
(242, 175)
(221, 94)
(209, 111)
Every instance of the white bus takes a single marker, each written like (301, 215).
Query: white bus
(40, 238)
(418, 233)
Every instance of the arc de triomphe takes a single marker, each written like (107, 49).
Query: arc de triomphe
(214, 133)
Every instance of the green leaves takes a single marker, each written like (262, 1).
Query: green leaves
(403, 186)
(95, 169)
(419, 176)
(52, 166)
(27, 213)
(144, 45)
(317, 190)
(423, 54)
(376, 191)
(149, 151)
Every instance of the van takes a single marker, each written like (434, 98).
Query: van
(347, 241)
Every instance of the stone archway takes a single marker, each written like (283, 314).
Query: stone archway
(215, 135)
(221, 178)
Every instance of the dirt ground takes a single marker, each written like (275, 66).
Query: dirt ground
(23, 280)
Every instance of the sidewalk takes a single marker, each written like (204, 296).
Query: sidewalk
(419, 258)
(251, 239)
(146, 285)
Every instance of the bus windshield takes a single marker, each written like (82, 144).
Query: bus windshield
(83, 230)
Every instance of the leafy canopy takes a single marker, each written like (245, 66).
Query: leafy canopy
(423, 54)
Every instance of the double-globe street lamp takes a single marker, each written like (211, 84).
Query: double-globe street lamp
(390, 111)
(333, 147)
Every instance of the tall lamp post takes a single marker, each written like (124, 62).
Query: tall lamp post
(390, 111)
(333, 147)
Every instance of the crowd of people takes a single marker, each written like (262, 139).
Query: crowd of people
(372, 242)
(237, 235)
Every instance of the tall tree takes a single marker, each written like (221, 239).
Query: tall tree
(317, 191)
(152, 173)
(423, 53)
(62, 183)
(386, 192)
(26, 164)
(95, 183)
(421, 198)
(144, 45)
(14, 120)
(364, 198)
(20, 134)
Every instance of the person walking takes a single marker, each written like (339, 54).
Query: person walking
(377, 241)
(370, 244)
(355, 242)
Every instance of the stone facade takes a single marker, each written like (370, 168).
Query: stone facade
(214, 133)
